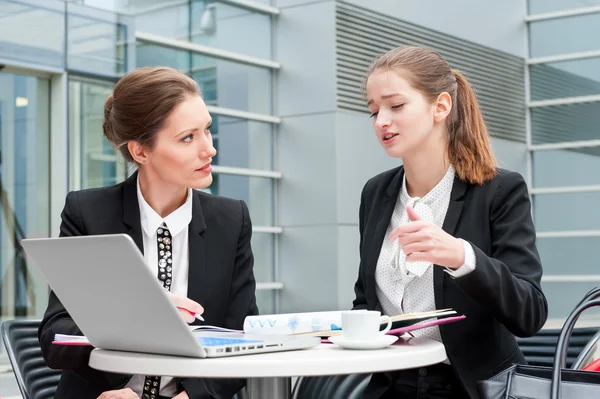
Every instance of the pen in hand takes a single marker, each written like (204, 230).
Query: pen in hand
(196, 315)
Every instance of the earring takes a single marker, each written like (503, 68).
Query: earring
(144, 161)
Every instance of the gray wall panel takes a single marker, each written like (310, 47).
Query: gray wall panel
(347, 266)
(359, 157)
(511, 155)
(309, 269)
(307, 191)
(305, 46)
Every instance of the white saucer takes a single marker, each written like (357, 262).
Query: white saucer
(380, 342)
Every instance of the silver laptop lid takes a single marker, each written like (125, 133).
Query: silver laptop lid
(108, 290)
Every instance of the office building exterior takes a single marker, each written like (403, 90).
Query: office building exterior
(282, 82)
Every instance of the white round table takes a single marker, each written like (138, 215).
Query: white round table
(269, 375)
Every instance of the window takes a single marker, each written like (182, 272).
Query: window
(564, 146)
(92, 160)
(24, 190)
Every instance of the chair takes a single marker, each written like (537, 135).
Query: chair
(352, 387)
(587, 354)
(331, 387)
(242, 394)
(539, 350)
(35, 379)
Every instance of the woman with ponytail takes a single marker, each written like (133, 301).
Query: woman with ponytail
(448, 229)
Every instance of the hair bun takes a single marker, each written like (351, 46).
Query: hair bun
(107, 125)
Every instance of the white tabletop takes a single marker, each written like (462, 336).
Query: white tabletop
(326, 359)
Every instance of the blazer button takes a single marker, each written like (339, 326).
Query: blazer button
(422, 371)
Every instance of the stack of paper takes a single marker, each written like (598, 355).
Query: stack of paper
(293, 323)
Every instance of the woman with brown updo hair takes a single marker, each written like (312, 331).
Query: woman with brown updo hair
(158, 120)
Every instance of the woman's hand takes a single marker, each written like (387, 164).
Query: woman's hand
(185, 306)
(119, 394)
(424, 241)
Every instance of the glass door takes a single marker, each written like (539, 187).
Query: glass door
(24, 190)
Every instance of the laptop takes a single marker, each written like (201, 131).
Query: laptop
(119, 304)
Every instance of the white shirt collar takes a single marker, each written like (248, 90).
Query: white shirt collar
(176, 221)
(435, 192)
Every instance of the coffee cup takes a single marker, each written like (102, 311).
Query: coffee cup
(364, 324)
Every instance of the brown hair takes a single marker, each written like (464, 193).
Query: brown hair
(469, 148)
(140, 103)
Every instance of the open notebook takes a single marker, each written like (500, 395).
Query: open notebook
(405, 323)
(326, 324)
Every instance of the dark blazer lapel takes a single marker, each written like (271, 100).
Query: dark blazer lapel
(383, 216)
(197, 252)
(452, 216)
(131, 211)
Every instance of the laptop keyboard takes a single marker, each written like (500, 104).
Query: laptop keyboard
(217, 341)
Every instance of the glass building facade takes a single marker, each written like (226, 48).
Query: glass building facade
(564, 145)
(60, 60)
(301, 178)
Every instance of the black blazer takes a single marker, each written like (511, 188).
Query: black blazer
(220, 278)
(501, 298)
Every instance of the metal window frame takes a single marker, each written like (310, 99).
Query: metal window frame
(252, 116)
(564, 190)
(157, 7)
(273, 285)
(571, 278)
(230, 170)
(275, 151)
(528, 129)
(562, 57)
(183, 45)
(242, 4)
(30, 68)
(252, 6)
(564, 101)
(564, 145)
(218, 169)
(573, 12)
(267, 229)
(568, 234)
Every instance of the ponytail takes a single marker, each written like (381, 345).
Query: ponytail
(469, 146)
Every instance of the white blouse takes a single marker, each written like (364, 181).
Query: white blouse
(407, 287)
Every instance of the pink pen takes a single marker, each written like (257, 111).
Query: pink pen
(196, 315)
